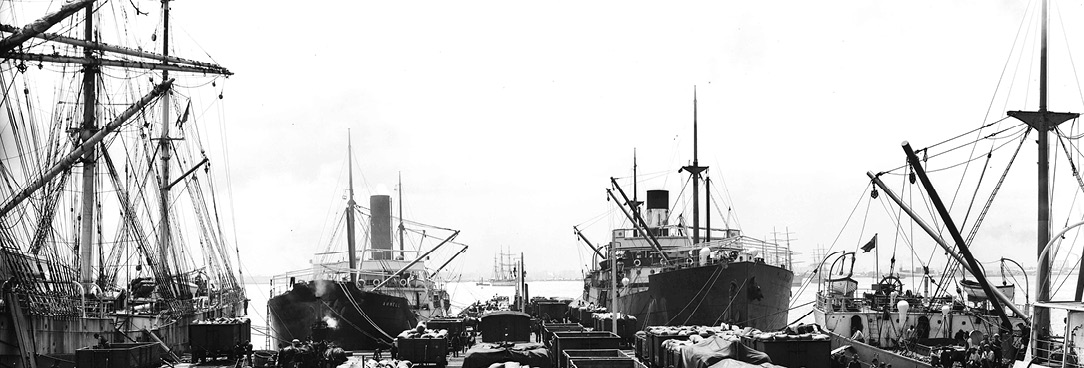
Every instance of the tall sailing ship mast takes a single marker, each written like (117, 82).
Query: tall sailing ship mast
(64, 254)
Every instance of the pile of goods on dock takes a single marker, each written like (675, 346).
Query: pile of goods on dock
(697, 346)
(510, 355)
(388, 363)
(221, 321)
(423, 333)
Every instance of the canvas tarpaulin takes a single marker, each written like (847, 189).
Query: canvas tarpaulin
(712, 350)
(530, 354)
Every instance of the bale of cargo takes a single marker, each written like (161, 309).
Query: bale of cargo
(572, 355)
(126, 355)
(423, 333)
(506, 326)
(483, 355)
(607, 363)
(712, 350)
(582, 340)
(574, 314)
(457, 329)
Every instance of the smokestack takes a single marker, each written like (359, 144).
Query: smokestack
(658, 210)
(380, 226)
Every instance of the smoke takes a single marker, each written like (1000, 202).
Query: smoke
(322, 287)
(332, 322)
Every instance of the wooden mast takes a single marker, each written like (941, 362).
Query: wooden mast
(89, 127)
(351, 248)
(164, 150)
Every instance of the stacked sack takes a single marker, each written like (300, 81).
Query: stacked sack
(508, 365)
(220, 321)
(388, 363)
(423, 333)
(699, 333)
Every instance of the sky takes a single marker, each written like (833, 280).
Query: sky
(507, 119)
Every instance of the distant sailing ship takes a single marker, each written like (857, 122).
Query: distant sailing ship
(675, 274)
(361, 299)
(112, 217)
(505, 266)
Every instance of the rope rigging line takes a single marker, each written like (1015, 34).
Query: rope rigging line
(1072, 165)
(730, 208)
(1020, 126)
(714, 278)
(1069, 51)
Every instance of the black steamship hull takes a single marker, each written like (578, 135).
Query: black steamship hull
(749, 294)
(354, 317)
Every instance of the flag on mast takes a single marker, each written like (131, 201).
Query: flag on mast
(872, 243)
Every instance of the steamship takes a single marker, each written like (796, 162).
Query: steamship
(361, 299)
(669, 274)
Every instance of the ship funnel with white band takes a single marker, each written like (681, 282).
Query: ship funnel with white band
(658, 210)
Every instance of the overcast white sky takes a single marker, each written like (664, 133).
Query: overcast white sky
(506, 119)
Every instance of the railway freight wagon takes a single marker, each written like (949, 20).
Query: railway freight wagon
(220, 338)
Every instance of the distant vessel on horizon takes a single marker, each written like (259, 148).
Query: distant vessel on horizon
(505, 269)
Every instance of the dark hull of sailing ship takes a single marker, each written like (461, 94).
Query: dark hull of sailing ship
(337, 311)
(56, 337)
